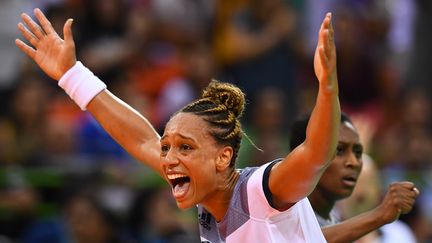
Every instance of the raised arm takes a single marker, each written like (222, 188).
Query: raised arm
(399, 199)
(296, 176)
(56, 57)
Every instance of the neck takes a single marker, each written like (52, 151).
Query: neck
(321, 204)
(218, 202)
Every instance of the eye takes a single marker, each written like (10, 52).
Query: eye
(340, 150)
(164, 149)
(358, 151)
(358, 154)
(185, 147)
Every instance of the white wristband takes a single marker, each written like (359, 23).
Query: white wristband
(81, 85)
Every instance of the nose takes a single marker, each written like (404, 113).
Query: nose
(353, 161)
(170, 159)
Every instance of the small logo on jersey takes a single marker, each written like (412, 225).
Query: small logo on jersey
(204, 220)
(204, 240)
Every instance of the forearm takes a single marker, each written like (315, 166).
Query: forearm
(129, 128)
(297, 175)
(323, 128)
(352, 229)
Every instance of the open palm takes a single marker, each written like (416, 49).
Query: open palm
(53, 54)
(325, 54)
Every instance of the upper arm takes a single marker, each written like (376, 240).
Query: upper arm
(295, 177)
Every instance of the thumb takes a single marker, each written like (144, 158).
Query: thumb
(67, 31)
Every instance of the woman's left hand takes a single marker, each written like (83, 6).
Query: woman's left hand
(325, 55)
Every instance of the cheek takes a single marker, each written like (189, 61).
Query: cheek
(361, 165)
(336, 166)
(204, 159)
(204, 175)
(328, 181)
(332, 175)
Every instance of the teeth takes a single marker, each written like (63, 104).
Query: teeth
(175, 176)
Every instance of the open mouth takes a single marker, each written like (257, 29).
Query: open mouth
(180, 184)
(349, 180)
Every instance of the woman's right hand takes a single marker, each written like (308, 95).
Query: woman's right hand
(54, 55)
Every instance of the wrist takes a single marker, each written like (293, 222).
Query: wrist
(66, 68)
(81, 84)
(381, 215)
(329, 88)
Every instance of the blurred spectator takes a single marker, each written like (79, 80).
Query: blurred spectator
(401, 32)
(199, 70)
(405, 140)
(267, 127)
(59, 132)
(357, 70)
(104, 48)
(8, 142)
(9, 16)
(89, 221)
(404, 146)
(418, 223)
(256, 48)
(27, 113)
(419, 71)
(183, 21)
(155, 62)
(18, 203)
(85, 220)
(155, 218)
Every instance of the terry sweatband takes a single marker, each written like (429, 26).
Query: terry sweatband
(81, 85)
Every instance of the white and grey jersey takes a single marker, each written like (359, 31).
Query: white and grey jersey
(327, 222)
(251, 217)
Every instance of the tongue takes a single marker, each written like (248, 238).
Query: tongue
(180, 189)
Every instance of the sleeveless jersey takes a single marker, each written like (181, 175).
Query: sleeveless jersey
(251, 218)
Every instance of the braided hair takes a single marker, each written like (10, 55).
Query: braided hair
(221, 105)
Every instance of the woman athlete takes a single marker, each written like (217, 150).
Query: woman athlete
(197, 152)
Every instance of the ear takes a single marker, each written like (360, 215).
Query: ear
(224, 158)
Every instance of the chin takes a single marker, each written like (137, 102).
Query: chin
(344, 194)
(184, 205)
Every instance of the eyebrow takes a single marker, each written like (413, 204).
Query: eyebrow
(356, 145)
(180, 135)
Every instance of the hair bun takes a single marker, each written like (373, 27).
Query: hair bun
(226, 94)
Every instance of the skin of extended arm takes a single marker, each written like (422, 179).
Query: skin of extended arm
(353, 228)
(128, 127)
(297, 175)
(55, 56)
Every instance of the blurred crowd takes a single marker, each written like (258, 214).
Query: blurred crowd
(63, 179)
